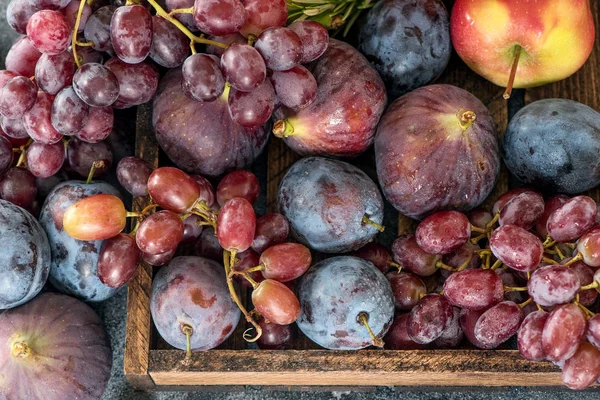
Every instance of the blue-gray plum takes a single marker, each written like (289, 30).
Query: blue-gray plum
(554, 144)
(74, 262)
(327, 203)
(25, 256)
(334, 293)
(407, 41)
(192, 292)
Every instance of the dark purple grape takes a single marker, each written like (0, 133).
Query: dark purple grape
(517, 248)
(474, 289)
(22, 57)
(511, 278)
(563, 332)
(6, 154)
(328, 203)
(186, 19)
(18, 186)
(69, 113)
(275, 337)
(96, 85)
(159, 233)
(456, 259)
(133, 174)
(522, 210)
(529, 336)
(202, 78)
(586, 276)
(295, 88)
(397, 337)
(479, 218)
(72, 9)
(429, 318)
(252, 109)
(219, 17)
(375, 253)
(228, 39)
(452, 335)
(88, 55)
(118, 260)
(158, 260)
(99, 125)
(271, 229)
(170, 46)
(17, 96)
(97, 28)
(192, 228)
(50, 4)
(18, 13)
(54, 72)
(243, 66)
(407, 253)
(192, 291)
(498, 324)
(246, 260)
(208, 246)
(407, 289)
(82, 155)
(280, 47)
(137, 82)
(49, 32)
(131, 33)
(552, 285)
(45, 160)
(14, 128)
(443, 232)
(315, 39)
(38, 121)
(468, 320)
(572, 219)
(333, 294)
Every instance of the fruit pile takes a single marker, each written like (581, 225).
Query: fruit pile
(222, 75)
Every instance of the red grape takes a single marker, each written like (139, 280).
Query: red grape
(207, 192)
(6, 154)
(246, 260)
(219, 17)
(517, 248)
(49, 32)
(562, 332)
(99, 125)
(498, 324)
(186, 19)
(243, 67)
(407, 289)
(97, 28)
(118, 260)
(453, 334)
(412, 258)
(97, 217)
(280, 47)
(443, 232)
(54, 72)
(18, 13)
(376, 254)
(17, 96)
(295, 88)
(271, 229)
(239, 183)
(552, 285)
(511, 278)
(192, 229)
(593, 331)
(96, 85)
(208, 246)
(173, 189)
(589, 247)
(14, 141)
(397, 337)
(69, 113)
(45, 160)
(236, 224)
(38, 123)
(529, 336)
(6, 76)
(479, 217)
(572, 219)
(87, 55)
(159, 233)
(158, 260)
(170, 46)
(583, 369)
(22, 57)
(82, 155)
(550, 206)
(133, 174)
(474, 289)
(468, 321)
(285, 262)
(137, 82)
(252, 109)
(586, 276)
(506, 197)
(429, 318)
(228, 39)
(315, 39)
(131, 33)
(275, 337)
(262, 14)
(522, 210)
(202, 78)
(458, 257)
(276, 302)
(14, 128)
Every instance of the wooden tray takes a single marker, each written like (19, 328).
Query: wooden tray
(151, 365)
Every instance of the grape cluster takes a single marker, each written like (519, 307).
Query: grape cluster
(490, 262)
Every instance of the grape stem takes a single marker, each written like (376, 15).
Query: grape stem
(508, 289)
(188, 341)
(578, 257)
(513, 72)
(593, 285)
(441, 265)
(367, 221)
(84, 44)
(97, 164)
(23, 151)
(227, 256)
(196, 39)
(496, 265)
(133, 214)
(548, 242)
(189, 10)
(260, 267)
(465, 264)
(490, 224)
(363, 318)
(75, 30)
(246, 276)
(393, 264)
(588, 313)
(192, 47)
(476, 239)
(477, 229)
(549, 260)
(525, 303)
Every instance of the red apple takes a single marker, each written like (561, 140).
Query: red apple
(553, 38)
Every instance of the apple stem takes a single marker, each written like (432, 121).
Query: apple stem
(513, 72)
(21, 350)
(283, 129)
(363, 318)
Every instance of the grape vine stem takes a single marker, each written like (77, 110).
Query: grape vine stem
(82, 4)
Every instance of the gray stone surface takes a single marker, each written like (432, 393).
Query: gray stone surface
(113, 313)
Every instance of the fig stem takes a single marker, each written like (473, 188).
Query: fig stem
(189, 10)
(508, 289)
(232, 292)
(394, 265)
(477, 229)
(197, 39)
(97, 164)
(188, 341)
(21, 350)
(363, 318)
(525, 303)
(549, 260)
(283, 129)
(441, 265)
(578, 257)
(465, 264)
(513, 73)
(593, 285)
(366, 221)
(466, 118)
(75, 31)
